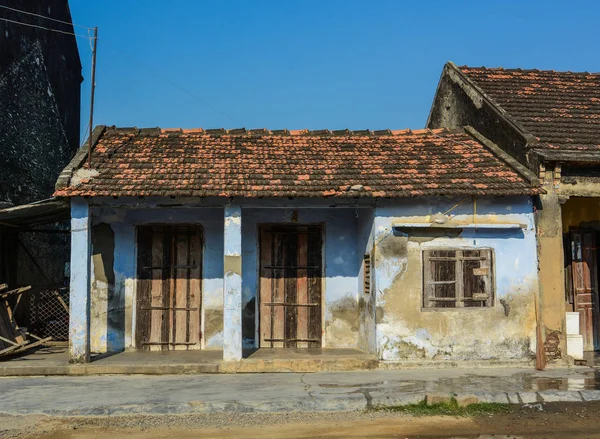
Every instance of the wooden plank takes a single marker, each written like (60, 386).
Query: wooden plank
(315, 244)
(195, 288)
(266, 287)
(278, 313)
(156, 288)
(61, 300)
(302, 291)
(10, 342)
(13, 348)
(29, 345)
(180, 295)
(16, 291)
(168, 287)
(290, 285)
(584, 272)
(18, 336)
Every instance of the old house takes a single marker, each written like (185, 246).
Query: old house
(409, 245)
(40, 79)
(550, 122)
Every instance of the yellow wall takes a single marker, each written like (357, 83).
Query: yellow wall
(581, 212)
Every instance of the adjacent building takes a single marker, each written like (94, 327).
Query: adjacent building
(550, 122)
(40, 79)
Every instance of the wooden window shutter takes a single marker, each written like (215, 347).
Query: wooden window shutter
(367, 273)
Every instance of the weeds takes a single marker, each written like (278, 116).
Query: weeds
(450, 408)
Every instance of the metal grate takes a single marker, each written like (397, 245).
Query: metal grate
(50, 314)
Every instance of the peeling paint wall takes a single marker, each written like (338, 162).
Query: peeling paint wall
(407, 332)
(367, 340)
(106, 313)
(340, 306)
(112, 326)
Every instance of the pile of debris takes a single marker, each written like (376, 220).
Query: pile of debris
(13, 339)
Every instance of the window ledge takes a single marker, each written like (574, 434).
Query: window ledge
(459, 309)
(497, 226)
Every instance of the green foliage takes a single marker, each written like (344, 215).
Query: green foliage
(450, 408)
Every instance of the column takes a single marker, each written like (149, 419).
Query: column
(551, 261)
(79, 313)
(232, 284)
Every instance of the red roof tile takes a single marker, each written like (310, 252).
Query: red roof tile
(562, 109)
(194, 163)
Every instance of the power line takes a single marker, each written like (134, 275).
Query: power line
(174, 84)
(44, 17)
(45, 28)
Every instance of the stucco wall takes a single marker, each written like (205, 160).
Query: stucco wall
(367, 340)
(390, 321)
(340, 306)
(112, 308)
(407, 332)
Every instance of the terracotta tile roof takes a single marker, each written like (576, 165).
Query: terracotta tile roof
(562, 109)
(262, 163)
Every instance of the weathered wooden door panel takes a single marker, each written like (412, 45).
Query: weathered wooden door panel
(290, 286)
(169, 287)
(585, 286)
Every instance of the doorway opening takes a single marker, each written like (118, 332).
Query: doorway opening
(290, 285)
(169, 289)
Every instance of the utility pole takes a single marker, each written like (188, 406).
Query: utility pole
(92, 100)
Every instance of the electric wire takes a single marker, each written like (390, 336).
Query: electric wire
(44, 17)
(44, 28)
(90, 38)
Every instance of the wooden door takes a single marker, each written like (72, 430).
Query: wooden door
(290, 286)
(585, 286)
(169, 287)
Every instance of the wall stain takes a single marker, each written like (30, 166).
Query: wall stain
(213, 322)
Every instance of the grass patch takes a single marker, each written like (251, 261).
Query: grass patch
(449, 409)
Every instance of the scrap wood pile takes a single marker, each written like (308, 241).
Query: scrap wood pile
(13, 339)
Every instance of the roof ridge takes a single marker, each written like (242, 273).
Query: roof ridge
(283, 132)
(522, 70)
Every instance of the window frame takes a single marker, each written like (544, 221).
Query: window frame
(459, 270)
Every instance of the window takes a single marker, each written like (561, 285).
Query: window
(458, 278)
(367, 272)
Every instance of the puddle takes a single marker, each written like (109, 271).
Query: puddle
(487, 436)
(535, 384)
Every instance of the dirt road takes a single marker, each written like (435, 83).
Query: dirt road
(557, 420)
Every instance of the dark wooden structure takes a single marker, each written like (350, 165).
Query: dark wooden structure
(169, 293)
(584, 272)
(290, 285)
(13, 339)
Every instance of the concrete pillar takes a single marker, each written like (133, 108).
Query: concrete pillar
(232, 284)
(551, 261)
(79, 313)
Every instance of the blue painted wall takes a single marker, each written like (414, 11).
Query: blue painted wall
(504, 331)
(390, 320)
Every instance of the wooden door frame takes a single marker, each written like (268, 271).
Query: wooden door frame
(134, 313)
(259, 228)
(595, 282)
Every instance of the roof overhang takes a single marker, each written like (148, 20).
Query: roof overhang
(36, 213)
(574, 156)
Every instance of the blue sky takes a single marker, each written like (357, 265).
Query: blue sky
(313, 63)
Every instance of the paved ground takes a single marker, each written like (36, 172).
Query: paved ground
(330, 391)
(546, 420)
(54, 360)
